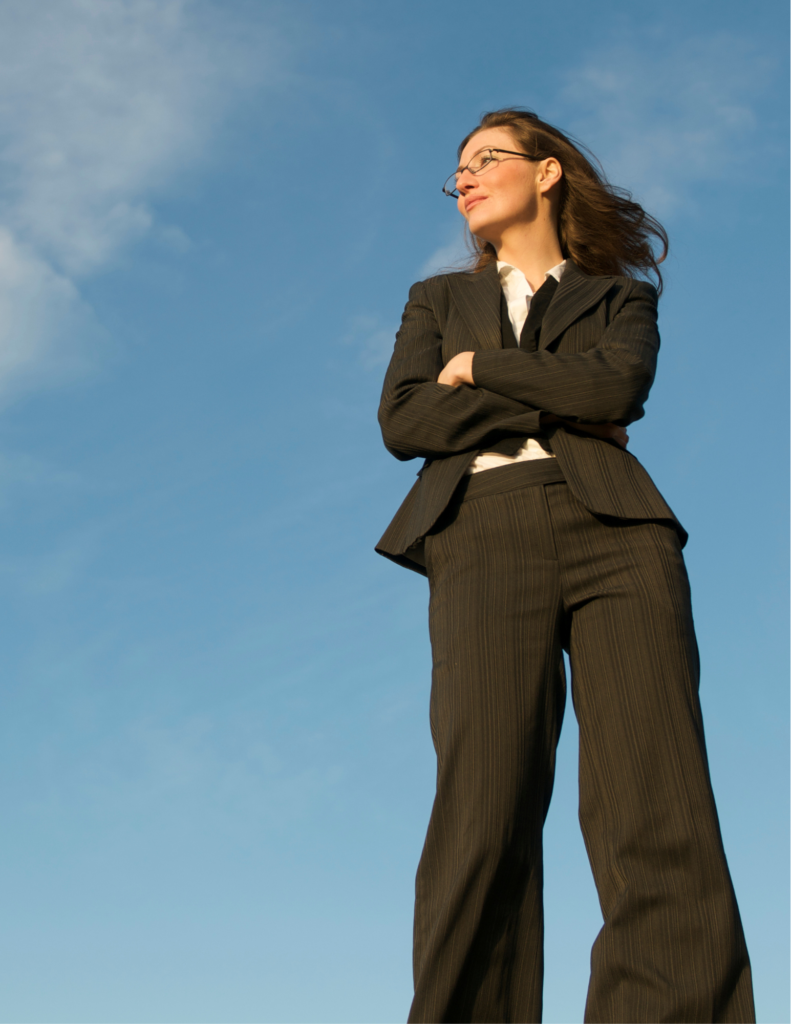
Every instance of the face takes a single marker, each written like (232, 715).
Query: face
(504, 195)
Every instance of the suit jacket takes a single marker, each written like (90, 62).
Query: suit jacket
(595, 363)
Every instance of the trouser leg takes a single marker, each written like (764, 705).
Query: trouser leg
(496, 708)
(672, 947)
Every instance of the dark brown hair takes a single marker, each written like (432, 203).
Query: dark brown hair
(599, 225)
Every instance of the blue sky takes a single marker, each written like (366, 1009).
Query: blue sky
(214, 748)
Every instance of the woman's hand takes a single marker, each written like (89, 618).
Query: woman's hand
(458, 370)
(606, 431)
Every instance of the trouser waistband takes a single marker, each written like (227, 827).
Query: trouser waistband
(530, 473)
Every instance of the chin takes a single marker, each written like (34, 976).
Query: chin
(483, 228)
(477, 224)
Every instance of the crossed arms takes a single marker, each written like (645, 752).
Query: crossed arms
(433, 410)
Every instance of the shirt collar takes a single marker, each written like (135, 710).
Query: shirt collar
(506, 270)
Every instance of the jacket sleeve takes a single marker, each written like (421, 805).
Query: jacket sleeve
(606, 384)
(419, 417)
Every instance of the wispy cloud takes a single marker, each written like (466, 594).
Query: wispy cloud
(224, 762)
(372, 338)
(666, 114)
(102, 102)
(47, 333)
(451, 255)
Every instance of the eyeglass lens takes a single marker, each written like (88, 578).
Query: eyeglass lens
(478, 163)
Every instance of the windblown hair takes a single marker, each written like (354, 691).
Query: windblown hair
(599, 225)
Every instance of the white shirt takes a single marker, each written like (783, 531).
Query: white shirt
(518, 296)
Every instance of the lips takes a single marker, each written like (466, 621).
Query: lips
(473, 201)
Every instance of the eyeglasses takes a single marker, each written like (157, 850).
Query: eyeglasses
(480, 163)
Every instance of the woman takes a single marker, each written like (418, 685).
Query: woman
(539, 532)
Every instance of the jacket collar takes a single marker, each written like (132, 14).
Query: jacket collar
(478, 299)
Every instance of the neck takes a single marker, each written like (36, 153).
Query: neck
(534, 249)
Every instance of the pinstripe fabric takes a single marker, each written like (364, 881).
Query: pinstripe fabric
(595, 362)
(516, 573)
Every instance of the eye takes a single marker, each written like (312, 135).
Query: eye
(480, 162)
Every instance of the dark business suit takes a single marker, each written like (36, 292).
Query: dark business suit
(581, 553)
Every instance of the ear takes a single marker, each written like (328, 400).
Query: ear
(549, 174)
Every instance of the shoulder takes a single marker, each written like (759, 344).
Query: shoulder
(627, 288)
(441, 284)
(631, 304)
(619, 291)
(636, 286)
(462, 285)
(633, 294)
(617, 284)
(436, 292)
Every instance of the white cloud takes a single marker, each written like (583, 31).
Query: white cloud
(102, 102)
(666, 114)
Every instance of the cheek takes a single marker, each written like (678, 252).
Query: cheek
(514, 190)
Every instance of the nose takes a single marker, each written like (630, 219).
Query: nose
(466, 182)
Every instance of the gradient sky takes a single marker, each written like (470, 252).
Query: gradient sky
(215, 756)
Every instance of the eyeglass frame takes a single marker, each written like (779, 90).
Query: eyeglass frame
(454, 194)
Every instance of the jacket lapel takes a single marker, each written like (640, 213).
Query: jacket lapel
(477, 297)
(576, 293)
